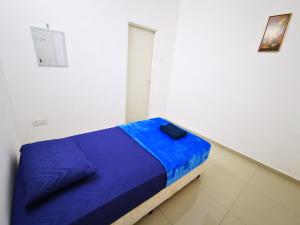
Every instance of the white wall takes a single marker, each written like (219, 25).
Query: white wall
(8, 147)
(90, 93)
(224, 89)
(160, 15)
(87, 95)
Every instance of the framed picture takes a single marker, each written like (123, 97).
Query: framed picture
(274, 33)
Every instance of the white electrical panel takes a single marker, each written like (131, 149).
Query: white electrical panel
(50, 47)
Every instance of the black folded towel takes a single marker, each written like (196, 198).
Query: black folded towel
(173, 131)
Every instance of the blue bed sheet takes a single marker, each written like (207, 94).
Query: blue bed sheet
(130, 169)
(177, 156)
(127, 175)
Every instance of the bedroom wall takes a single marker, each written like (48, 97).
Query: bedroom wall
(161, 16)
(8, 148)
(87, 95)
(90, 94)
(224, 89)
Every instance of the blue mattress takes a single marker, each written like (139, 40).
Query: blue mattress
(127, 175)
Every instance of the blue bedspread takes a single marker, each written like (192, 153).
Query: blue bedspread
(177, 156)
(126, 176)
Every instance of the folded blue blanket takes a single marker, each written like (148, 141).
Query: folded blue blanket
(173, 131)
(177, 156)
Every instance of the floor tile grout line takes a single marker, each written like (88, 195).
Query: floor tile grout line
(284, 207)
(221, 221)
(244, 187)
(229, 173)
(271, 199)
(234, 176)
(170, 222)
(228, 210)
(212, 198)
(258, 163)
(239, 195)
(279, 202)
(216, 202)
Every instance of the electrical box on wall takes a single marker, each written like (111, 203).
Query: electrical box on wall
(50, 47)
(40, 122)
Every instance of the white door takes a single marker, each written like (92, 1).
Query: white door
(140, 51)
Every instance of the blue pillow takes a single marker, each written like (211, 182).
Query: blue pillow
(49, 166)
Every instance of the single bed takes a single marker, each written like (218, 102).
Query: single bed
(130, 181)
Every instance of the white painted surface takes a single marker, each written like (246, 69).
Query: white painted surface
(140, 52)
(91, 93)
(8, 147)
(161, 16)
(223, 88)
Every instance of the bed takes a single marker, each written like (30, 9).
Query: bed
(137, 168)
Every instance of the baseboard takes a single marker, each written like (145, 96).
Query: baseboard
(278, 172)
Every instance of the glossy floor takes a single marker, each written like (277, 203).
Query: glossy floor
(231, 191)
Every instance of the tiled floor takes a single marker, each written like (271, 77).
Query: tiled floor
(231, 191)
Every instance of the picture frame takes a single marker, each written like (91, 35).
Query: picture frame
(274, 33)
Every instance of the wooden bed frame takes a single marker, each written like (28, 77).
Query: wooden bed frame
(146, 207)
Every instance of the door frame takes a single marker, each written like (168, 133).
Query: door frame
(152, 65)
(142, 27)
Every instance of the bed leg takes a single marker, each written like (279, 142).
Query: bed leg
(150, 212)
